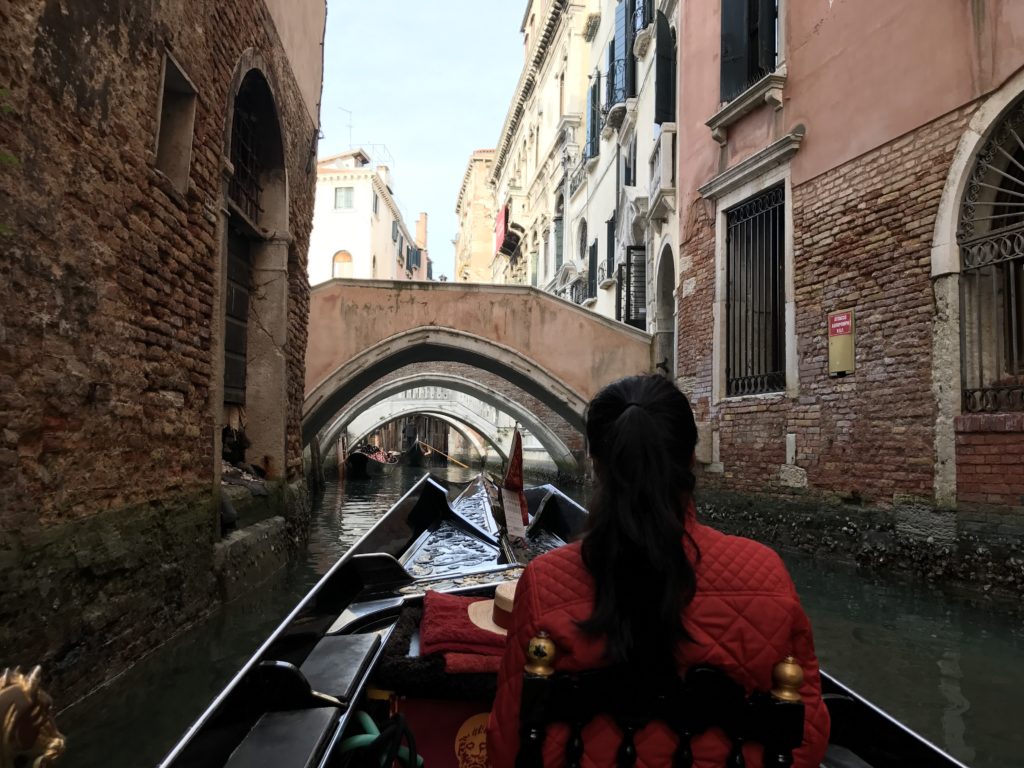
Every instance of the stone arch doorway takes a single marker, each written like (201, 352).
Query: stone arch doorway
(342, 265)
(665, 314)
(254, 276)
(958, 248)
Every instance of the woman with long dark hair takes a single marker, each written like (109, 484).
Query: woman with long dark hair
(650, 587)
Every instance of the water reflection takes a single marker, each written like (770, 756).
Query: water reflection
(949, 670)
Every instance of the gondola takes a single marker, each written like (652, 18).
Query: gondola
(330, 672)
(369, 461)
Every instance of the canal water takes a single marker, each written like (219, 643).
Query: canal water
(950, 670)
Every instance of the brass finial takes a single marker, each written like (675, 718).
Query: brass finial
(27, 729)
(787, 677)
(540, 655)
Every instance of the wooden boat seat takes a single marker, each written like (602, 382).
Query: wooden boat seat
(704, 698)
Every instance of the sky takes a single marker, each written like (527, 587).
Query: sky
(430, 80)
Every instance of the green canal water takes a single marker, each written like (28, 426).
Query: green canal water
(950, 670)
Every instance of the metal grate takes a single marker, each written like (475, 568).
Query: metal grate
(991, 238)
(244, 188)
(631, 291)
(755, 298)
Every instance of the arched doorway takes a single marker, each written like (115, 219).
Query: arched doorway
(255, 321)
(665, 314)
(990, 235)
(342, 264)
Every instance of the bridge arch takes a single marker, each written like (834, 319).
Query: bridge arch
(435, 344)
(458, 419)
(548, 438)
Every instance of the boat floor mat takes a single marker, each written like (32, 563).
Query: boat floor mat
(337, 663)
(841, 757)
(425, 676)
(286, 739)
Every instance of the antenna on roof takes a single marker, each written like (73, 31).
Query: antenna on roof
(348, 124)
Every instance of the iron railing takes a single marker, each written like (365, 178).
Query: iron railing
(579, 175)
(755, 295)
(643, 14)
(615, 91)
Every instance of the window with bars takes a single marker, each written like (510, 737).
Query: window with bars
(991, 239)
(342, 197)
(631, 288)
(755, 295)
(245, 189)
(750, 33)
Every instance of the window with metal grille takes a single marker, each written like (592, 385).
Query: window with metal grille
(750, 33)
(631, 291)
(991, 239)
(244, 188)
(755, 295)
(236, 319)
(343, 197)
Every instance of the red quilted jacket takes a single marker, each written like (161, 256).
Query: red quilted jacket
(746, 617)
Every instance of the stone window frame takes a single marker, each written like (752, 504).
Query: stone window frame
(725, 200)
(767, 90)
(175, 83)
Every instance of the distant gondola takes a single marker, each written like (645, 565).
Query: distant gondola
(330, 669)
(369, 461)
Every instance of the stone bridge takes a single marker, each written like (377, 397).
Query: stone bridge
(552, 349)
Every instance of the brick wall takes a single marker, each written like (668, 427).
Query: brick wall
(990, 460)
(108, 292)
(862, 239)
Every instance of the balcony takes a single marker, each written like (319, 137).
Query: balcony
(614, 107)
(643, 26)
(578, 176)
(662, 193)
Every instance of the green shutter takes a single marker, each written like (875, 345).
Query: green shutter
(735, 28)
(665, 72)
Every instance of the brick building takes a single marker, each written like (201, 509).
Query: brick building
(830, 162)
(153, 289)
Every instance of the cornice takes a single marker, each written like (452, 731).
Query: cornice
(525, 86)
(773, 155)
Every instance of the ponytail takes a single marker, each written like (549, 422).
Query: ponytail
(641, 434)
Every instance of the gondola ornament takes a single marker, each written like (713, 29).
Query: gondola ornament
(787, 677)
(27, 729)
(540, 654)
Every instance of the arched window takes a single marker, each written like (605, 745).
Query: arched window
(991, 239)
(559, 230)
(342, 264)
(581, 254)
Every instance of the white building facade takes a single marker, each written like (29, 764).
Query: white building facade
(358, 230)
(584, 172)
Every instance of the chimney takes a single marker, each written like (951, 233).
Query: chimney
(421, 231)
(385, 175)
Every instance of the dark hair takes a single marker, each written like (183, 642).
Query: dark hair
(641, 435)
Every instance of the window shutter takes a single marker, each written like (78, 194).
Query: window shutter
(665, 72)
(620, 293)
(735, 25)
(590, 119)
(592, 271)
(622, 51)
(558, 243)
(629, 12)
(766, 35)
(609, 264)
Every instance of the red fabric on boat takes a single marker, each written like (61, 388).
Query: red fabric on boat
(471, 663)
(446, 627)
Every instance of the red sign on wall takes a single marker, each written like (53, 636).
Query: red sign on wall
(500, 227)
(840, 324)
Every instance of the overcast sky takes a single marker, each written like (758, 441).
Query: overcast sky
(430, 80)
